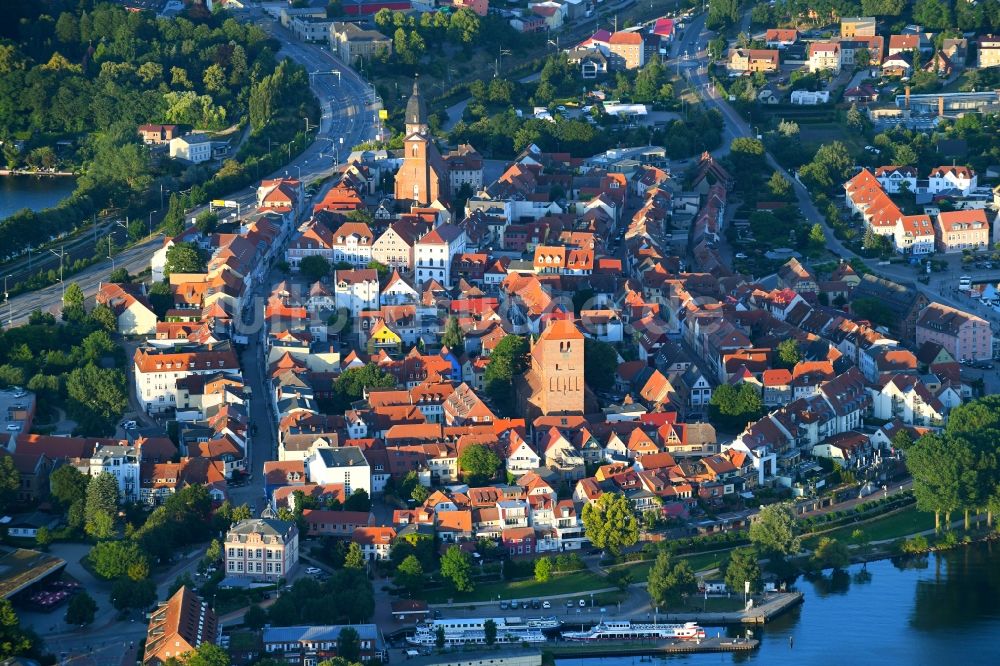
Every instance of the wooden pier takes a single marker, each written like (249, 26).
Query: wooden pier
(772, 607)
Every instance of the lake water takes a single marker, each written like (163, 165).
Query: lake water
(17, 192)
(938, 609)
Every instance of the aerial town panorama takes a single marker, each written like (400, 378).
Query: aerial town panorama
(510, 333)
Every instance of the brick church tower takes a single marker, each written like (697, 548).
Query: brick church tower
(423, 177)
(554, 383)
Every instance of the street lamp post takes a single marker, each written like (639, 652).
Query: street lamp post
(151, 221)
(61, 253)
(6, 297)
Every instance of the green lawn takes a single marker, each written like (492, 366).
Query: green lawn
(905, 522)
(577, 581)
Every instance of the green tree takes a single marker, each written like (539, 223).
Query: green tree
(352, 383)
(456, 566)
(543, 569)
(773, 530)
(439, 638)
(355, 558)
(490, 631)
(72, 305)
(314, 268)
(410, 575)
(358, 501)
(746, 155)
(669, 581)
(104, 318)
(933, 14)
(789, 353)
(14, 641)
(733, 407)
(831, 554)
(102, 496)
(183, 258)
(206, 654)
(600, 363)
(349, 644)
(938, 463)
(902, 439)
(478, 464)
(453, 338)
(43, 537)
(100, 526)
(507, 360)
(81, 610)
(214, 78)
(817, 238)
(610, 523)
(779, 186)
(10, 481)
(206, 222)
(743, 566)
(255, 617)
(419, 494)
(114, 559)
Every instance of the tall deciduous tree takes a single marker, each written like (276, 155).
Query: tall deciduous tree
(478, 463)
(610, 523)
(456, 566)
(600, 362)
(102, 496)
(507, 360)
(669, 581)
(773, 530)
(453, 338)
(743, 566)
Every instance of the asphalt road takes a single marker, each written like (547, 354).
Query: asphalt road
(349, 118)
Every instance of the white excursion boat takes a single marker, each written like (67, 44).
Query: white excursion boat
(623, 630)
(464, 631)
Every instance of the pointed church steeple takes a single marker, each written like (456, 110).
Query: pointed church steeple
(416, 111)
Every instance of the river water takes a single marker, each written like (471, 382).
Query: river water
(937, 609)
(36, 193)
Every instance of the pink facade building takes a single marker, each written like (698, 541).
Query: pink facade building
(963, 335)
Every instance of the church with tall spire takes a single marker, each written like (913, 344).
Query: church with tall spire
(423, 176)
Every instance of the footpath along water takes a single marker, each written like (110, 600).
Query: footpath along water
(938, 609)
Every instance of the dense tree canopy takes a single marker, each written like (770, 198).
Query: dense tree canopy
(507, 360)
(773, 530)
(733, 407)
(610, 523)
(478, 463)
(600, 361)
(456, 567)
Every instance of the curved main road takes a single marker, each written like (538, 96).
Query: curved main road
(349, 116)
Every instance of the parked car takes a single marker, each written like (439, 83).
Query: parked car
(536, 604)
(583, 603)
(546, 604)
(503, 605)
(312, 570)
(569, 603)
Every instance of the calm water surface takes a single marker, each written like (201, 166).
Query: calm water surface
(940, 610)
(17, 192)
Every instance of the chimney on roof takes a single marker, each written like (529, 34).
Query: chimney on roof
(907, 97)
(940, 106)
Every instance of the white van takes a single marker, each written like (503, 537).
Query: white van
(965, 283)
